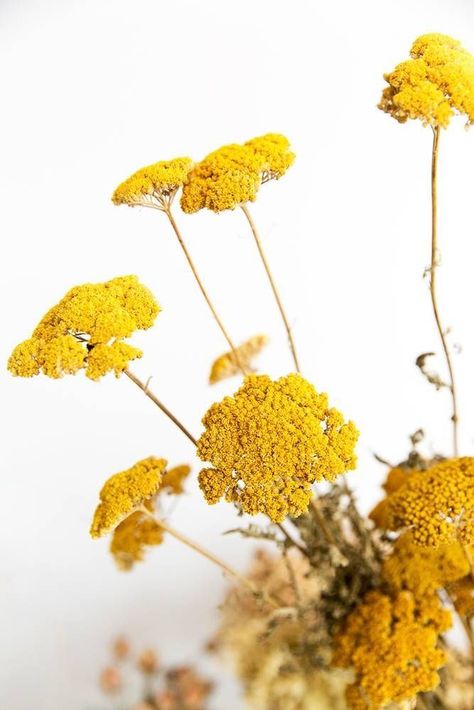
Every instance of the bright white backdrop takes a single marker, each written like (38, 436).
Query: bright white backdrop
(93, 89)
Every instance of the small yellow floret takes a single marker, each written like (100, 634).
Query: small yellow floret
(155, 184)
(131, 537)
(436, 83)
(230, 363)
(437, 504)
(270, 442)
(85, 330)
(126, 491)
(173, 479)
(275, 151)
(392, 650)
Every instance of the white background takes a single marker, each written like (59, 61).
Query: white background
(92, 90)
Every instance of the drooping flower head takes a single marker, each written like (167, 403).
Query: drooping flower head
(232, 175)
(86, 329)
(230, 363)
(392, 650)
(437, 504)
(126, 499)
(154, 185)
(125, 492)
(270, 442)
(436, 83)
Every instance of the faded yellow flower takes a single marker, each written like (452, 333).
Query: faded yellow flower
(173, 479)
(125, 492)
(437, 504)
(392, 650)
(132, 536)
(154, 185)
(230, 363)
(270, 442)
(85, 330)
(436, 83)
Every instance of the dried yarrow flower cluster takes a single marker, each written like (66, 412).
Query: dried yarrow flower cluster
(86, 330)
(351, 611)
(271, 441)
(173, 688)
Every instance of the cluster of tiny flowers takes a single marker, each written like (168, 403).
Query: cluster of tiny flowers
(437, 504)
(137, 487)
(125, 492)
(153, 184)
(270, 442)
(232, 175)
(85, 330)
(437, 82)
(231, 363)
(396, 477)
(392, 650)
(423, 570)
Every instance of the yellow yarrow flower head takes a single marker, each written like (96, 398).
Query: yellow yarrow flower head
(436, 83)
(173, 480)
(274, 149)
(437, 504)
(154, 185)
(232, 175)
(85, 330)
(230, 363)
(396, 477)
(131, 537)
(125, 492)
(270, 442)
(392, 650)
(423, 570)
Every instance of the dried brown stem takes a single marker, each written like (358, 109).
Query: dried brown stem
(291, 540)
(286, 322)
(144, 387)
(433, 293)
(219, 322)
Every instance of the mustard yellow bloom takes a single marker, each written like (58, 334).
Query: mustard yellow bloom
(85, 331)
(229, 364)
(125, 492)
(173, 479)
(270, 442)
(436, 83)
(423, 570)
(232, 175)
(437, 504)
(462, 595)
(393, 652)
(153, 185)
(132, 536)
(275, 151)
(396, 477)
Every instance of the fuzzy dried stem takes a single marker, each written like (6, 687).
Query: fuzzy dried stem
(266, 265)
(291, 540)
(144, 387)
(433, 293)
(328, 536)
(216, 317)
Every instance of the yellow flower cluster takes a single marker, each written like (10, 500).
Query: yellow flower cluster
(85, 330)
(229, 364)
(232, 175)
(131, 537)
(423, 570)
(392, 650)
(125, 492)
(396, 477)
(154, 184)
(268, 444)
(119, 510)
(436, 83)
(437, 504)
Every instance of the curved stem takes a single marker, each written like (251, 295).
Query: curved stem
(291, 540)
(144, 387)
(209, 556)
(291, 342)
(219, 322)
(433, 267)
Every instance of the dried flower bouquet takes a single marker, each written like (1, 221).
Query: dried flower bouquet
(347, 612)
